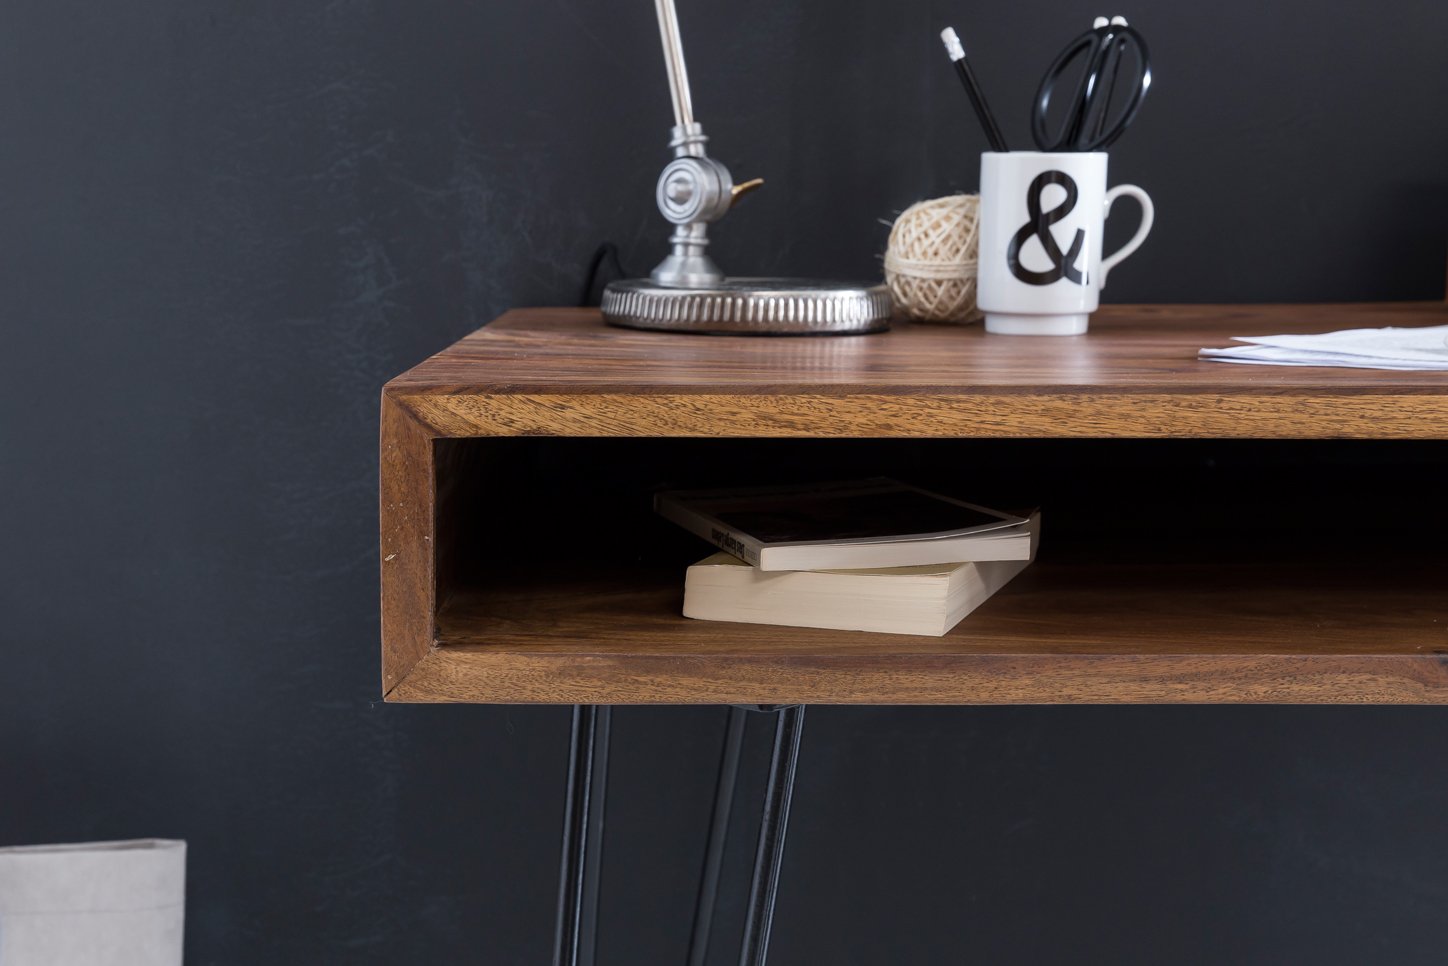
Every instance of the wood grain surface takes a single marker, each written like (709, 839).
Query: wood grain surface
(1304, 633)
(562, 372)
(1298, 633)
(409, 558)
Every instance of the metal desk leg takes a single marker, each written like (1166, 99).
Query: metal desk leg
(764, 885)
(718, 832)
(575, 936)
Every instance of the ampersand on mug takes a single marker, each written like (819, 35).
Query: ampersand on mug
(1062, 265)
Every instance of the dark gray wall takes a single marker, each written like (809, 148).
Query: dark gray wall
(226, 224)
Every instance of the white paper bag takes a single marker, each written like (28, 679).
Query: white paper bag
(97, 904)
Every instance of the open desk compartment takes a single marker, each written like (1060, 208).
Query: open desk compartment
(1170, 571)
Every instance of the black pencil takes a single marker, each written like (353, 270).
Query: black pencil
(956, 50)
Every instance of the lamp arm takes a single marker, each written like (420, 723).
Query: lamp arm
(674, 62)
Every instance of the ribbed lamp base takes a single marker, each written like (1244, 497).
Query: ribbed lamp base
(750, 306)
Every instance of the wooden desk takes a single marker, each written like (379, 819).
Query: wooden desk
(1287, 631)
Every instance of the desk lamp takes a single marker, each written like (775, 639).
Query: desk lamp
(687, 292)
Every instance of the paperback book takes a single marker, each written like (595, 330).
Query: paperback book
(926, 600)
(874, 523)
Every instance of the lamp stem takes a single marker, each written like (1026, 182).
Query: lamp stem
(674, 61)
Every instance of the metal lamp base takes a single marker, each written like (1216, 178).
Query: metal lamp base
(750, 306)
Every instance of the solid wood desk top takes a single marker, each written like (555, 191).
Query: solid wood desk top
(1136, 374)
(1164, 629)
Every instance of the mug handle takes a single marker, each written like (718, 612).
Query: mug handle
(1148, 215)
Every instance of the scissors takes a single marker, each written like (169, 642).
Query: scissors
(1089, 123)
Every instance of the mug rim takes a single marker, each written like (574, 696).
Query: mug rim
(1042, 154)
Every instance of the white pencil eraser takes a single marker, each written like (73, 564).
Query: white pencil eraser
(952, 43)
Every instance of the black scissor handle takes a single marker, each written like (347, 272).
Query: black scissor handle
(1103, 49)
(1109, 129)
(1087, 44)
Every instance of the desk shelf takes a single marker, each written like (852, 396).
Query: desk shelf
(1281, 629)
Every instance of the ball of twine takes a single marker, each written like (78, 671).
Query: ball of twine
(931, 258)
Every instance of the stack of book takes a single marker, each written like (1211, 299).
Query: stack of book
(866, 555)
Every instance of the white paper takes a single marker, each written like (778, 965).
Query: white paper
(1422, 349)
(99, 904)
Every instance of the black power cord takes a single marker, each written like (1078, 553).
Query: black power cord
(598, 276)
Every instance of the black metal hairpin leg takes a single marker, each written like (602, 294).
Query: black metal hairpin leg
(574, 938)
(764, 885)
(593, 855)
(718, 832)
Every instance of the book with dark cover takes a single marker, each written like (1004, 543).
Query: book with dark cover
(876, 522)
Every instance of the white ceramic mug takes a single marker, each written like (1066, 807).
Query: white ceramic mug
(1042, 216)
